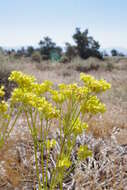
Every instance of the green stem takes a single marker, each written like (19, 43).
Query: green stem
(8, 133)
(34, 136)
(45, 138)
(36, 163)
(42, 154)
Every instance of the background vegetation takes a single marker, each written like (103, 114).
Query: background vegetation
(85, 46)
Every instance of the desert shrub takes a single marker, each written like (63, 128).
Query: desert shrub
(68, 105)
(87, 68)
(46, 65)
(36, 57)
(109, 66)
(66, 72)
(5, 70)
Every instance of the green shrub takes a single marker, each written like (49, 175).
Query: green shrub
(64, 59)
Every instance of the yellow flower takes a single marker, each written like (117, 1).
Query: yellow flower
(40, 89)
(64, 162)
(2, 93)
(68, 90)
(3, 107)
(82, 93)
(50, 144)
(79, 127)
(24, 81)
(84, 152)
(86, 78)
(93, 105)
(57, 97)
(47, 110)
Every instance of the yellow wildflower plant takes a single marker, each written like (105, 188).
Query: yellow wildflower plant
(64, 107)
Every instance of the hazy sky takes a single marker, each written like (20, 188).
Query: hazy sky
(25, 22)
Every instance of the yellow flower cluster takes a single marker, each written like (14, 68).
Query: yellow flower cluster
(40, 89)
(23, 81)
(79, 126)
(48, 110)
(66, 91)
(28, 82)
(93, 105)
(57, 97)
(93, 84)
(3, 107)
(50, 144)
(82, 93)
(84, 152)
(3, 104)
(28, 94)
(64, 162)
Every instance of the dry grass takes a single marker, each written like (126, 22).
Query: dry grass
(114, 121)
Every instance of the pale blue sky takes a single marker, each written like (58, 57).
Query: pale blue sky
(25, 22)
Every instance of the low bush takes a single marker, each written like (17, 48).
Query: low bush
(5, 70)
(36, 57)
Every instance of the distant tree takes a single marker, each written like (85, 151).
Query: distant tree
(121, 54)
(86, 45)
(12, 50)
(114, 52)
(46, 46)
(21, 52)
(30, 50)
(71, 51)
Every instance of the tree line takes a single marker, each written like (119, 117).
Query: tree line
(85, 46)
